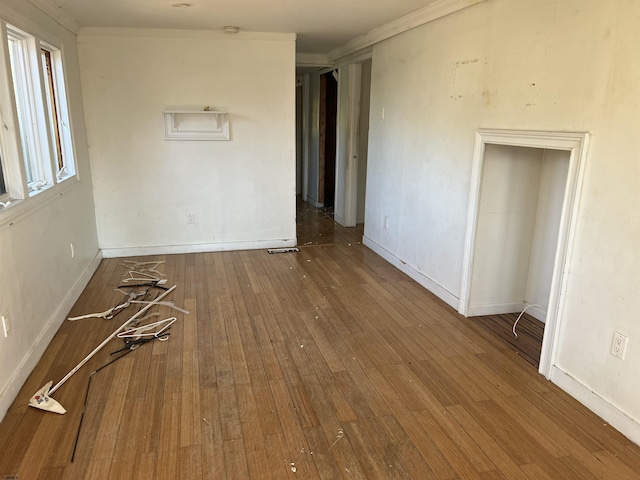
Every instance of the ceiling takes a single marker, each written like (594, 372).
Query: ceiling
(321, 25)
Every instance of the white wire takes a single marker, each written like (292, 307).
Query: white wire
(130, 296)
(166, 304)
(520, 316)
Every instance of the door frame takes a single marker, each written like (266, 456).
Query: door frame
(322, 137)
(576, 143)
(348, 129)
(353, 147)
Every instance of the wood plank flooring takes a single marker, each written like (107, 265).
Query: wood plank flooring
(315, 226)
(530, 331)
(328, 363)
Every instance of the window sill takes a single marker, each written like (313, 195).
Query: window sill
(27, 206)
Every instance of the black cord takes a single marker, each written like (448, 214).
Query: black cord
(86, 398)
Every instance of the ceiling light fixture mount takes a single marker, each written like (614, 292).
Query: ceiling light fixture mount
(230, 29)
(181, 4)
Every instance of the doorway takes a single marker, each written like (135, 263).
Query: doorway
(523, 200)
(335, 129)
(327, 142)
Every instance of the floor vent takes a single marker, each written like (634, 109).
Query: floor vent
(283, 250)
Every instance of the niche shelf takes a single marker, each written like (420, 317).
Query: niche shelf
(196, 125)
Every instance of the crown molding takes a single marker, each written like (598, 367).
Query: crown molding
(57, 13)
(312, 60)
(358, 56)
(184, 33)
(433, 11)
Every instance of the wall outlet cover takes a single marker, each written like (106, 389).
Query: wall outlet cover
(619, 345)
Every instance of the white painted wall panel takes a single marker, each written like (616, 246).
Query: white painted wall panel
(506, 223)
(553, 181)
(241, 191)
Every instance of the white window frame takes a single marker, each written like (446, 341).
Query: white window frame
(62, 114)
(47, 182)
(30, 104)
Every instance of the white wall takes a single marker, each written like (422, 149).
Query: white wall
(553, 181)
(506, 223)
(531, 64)
(519, 212)
(39, 281)
(241, 191)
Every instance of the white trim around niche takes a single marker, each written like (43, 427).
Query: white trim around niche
(576, 143)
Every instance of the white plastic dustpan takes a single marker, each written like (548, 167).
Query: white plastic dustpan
(43, 401)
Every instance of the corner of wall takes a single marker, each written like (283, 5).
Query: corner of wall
(428, 283)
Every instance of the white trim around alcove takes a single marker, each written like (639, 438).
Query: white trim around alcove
(576, 143)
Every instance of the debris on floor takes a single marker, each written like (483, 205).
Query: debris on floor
(338, 437)
(133, 331)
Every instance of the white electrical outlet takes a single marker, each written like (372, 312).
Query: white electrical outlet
(6, 326)
(191, 218)
(73, 250)
(619, 345)
(386, 223)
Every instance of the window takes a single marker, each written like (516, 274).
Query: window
(26, 106)
(42, 153)
(57, 112)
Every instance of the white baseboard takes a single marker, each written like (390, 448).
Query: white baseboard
(495, 309)
(196, 248)
(538, 313)
(314, 203)
(434, 287)
(594, 402)
(340, 220)
(32, 357)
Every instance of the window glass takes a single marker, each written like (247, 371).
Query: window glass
(57, 112)
(52, 107)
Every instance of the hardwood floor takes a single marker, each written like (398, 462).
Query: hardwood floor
(328, 363)
(315, 226)
(530, 332)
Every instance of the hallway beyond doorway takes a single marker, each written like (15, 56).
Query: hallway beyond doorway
(315, 226)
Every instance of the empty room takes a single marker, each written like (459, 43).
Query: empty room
(271, 239)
